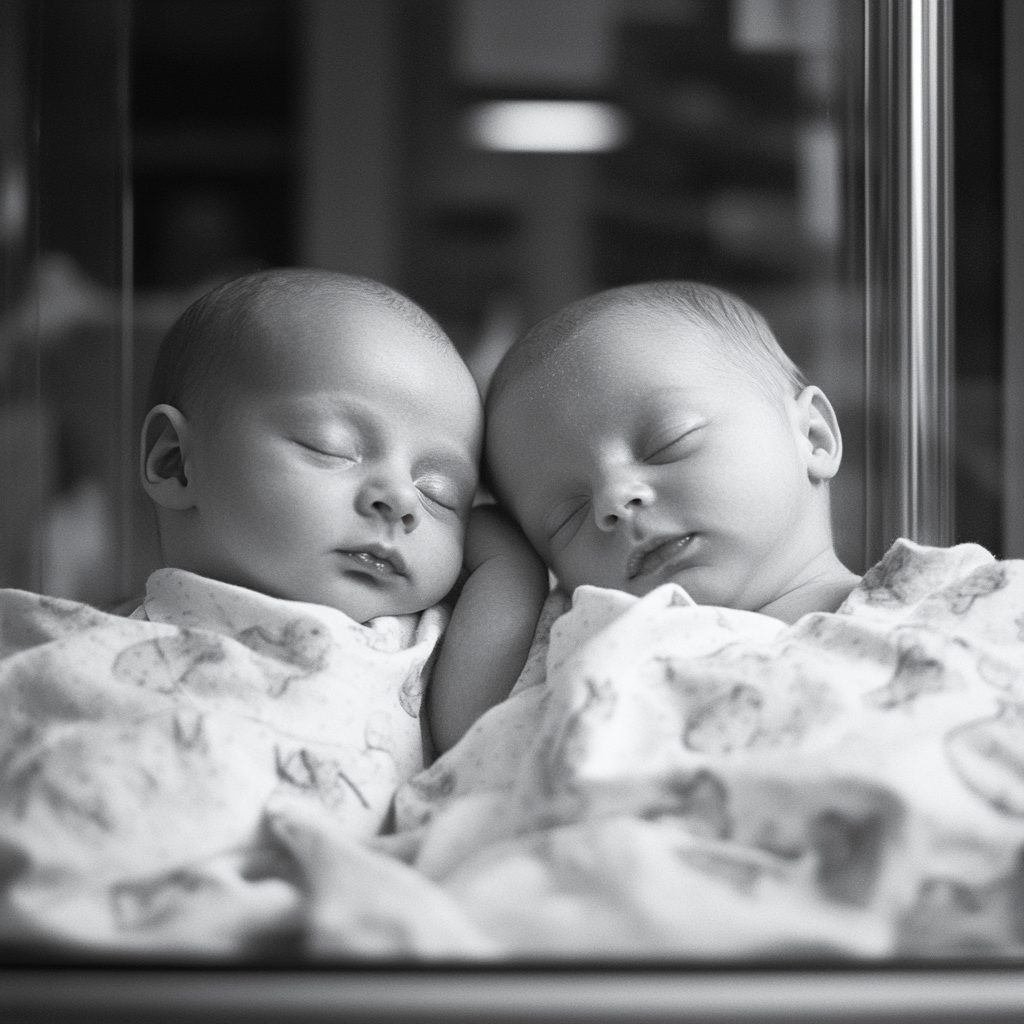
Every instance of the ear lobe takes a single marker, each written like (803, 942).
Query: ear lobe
(819, 428)
(164, 458)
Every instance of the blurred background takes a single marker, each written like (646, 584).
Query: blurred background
(494, 159)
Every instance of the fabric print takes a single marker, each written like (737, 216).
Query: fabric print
(890, 581)
(43, 619)
(917, 673)
(172, 663)
(984, 581)
(722, 712)
(411, 694)
(70, 613)
(152, 902)
(560, 754)
(701, 799)
(849, 852)
(305, 770)
(1001, 674)
(296, 767)
(988, 755)
(910, 572)
(600, 702)
(71, 799)
(304, 643)
(953, 916)
(728, 720)
(734, 702)
(739, 869)
(188, 731)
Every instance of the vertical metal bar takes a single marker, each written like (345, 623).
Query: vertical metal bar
(1013, 277)
(908, 251)
(126, 430)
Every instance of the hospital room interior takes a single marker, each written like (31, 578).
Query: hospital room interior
(189, 143)
(495, 160)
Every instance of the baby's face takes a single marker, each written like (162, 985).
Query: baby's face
(636, 458)
(343, 474)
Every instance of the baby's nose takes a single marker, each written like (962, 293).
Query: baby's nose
(395, 511)
(609, 520)
(393, 500)
(619, 501)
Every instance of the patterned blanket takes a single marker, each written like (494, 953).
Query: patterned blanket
(665, 781)
(134, 748)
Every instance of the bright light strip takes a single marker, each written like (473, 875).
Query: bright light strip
(546, 126)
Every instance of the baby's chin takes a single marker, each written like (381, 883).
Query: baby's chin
(362, 603)
(364, 610)
(699, 590)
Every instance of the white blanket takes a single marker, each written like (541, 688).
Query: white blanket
(666, 781)
(131, 748)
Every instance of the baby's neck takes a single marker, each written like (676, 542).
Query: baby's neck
(822, 586)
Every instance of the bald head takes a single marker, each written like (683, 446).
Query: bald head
(735, 330)
(234, 333)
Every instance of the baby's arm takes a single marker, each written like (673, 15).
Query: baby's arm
(491, 629)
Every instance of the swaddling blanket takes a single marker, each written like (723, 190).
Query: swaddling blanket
(665, 780)
(133, 747)
(672, 780)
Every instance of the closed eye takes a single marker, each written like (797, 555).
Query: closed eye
(565, 518)
(336, 457)
(678, 448)
(443, 492)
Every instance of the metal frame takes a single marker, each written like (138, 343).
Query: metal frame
(857, 995)
(908, 272)
(1013, 276)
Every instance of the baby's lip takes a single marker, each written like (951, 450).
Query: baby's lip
(656, 553)
(376, 559)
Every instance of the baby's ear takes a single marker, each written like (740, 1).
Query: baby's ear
(166, 447)
(819, 428)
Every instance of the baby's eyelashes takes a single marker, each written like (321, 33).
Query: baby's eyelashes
(324, 453)
(440, 491)
(677, 446)
(566, 516)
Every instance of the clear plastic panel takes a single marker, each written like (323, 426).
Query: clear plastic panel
(743, 163)
(65, 337)
(797, 153)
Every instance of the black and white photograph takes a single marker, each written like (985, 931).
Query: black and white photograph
(511, 510)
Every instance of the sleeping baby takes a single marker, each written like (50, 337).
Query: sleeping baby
(311, 452)
(315, 436)
(658, 433)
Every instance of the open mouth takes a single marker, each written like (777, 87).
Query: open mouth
(659, 553)
(377, 562)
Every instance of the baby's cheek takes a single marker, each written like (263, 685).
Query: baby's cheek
(584, 565)
(442, 562)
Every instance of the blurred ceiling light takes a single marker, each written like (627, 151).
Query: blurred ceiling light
(547, 126)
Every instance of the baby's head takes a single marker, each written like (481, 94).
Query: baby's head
(657, 432)
(314, 436)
